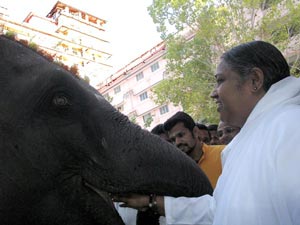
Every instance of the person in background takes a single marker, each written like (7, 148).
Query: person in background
(203, 132)
(260, 177)
(213, 131)
(184, 133)
(227, 132)
(160, 131)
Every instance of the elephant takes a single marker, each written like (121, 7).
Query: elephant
(64, 149)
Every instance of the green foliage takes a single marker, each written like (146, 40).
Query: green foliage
(33, 45)
(108, 98)
(197, 32)
(87, 79)
(10, 34)
(133, 119)
(279, 28)
(148, 121)
(295, 68)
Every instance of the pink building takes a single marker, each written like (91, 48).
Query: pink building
(130, 89)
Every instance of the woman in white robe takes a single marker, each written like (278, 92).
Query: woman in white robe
(260, 182)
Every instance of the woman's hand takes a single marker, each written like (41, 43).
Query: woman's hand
(141, 202)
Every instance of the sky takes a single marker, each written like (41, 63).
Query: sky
(129, 26)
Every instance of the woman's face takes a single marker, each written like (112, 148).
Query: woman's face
(234, 96)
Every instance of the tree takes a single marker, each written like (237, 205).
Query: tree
(133, 119)
(148, 121)
(10, 34)
(197, 32)
(86, 78)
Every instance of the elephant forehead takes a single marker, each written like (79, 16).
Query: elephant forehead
(62, 130)
(99, 97)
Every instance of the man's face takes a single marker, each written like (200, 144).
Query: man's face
(227, 132)
(204, 136)
(183, 138)
(214, 138)
(232, 95)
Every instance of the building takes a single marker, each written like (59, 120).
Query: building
(71, 36)
(129, 89)
(3, 12)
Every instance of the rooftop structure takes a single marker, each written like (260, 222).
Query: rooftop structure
(72, 36)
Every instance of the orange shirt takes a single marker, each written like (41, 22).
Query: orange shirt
(210, 162)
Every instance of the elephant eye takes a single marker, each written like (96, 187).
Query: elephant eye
(60, 100)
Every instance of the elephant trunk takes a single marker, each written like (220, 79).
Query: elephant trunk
(138, 161)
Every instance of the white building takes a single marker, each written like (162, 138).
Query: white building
(70, 35)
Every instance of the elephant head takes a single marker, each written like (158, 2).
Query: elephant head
(60, 140)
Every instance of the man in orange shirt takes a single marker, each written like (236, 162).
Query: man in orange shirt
(184, 133)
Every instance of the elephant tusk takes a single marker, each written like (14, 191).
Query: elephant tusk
(104, 195)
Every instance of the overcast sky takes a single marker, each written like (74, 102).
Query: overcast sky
(129, 26)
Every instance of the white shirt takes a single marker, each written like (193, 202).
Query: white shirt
(128, 215)
(260, 181)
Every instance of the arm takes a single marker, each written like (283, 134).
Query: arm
(142, 202)
(182, 210)
(189, 211)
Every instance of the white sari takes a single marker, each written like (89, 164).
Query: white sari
(260, 182)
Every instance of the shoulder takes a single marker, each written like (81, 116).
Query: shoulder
(285, 118)
(210, 150)
(213, 148)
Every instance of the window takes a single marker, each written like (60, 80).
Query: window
(143, 96)
(139, 76)
(164, 109)
(154, 67)
(75, 52)
(117, 89)
(126, 95)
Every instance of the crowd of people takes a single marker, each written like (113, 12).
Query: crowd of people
(195, 140)
(251, 157)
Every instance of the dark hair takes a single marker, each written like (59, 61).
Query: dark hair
(212, 127)
(265, 56)
(201, 126)
(180, 116)
(158, 129)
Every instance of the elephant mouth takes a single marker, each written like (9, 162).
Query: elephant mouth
(103, 194)
(107, 203)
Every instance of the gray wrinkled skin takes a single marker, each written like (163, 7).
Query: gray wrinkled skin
(58, 134)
